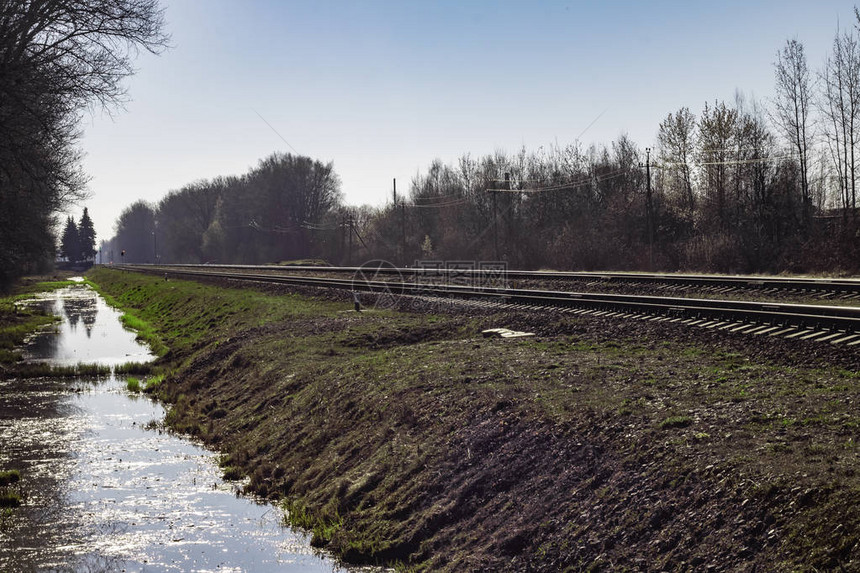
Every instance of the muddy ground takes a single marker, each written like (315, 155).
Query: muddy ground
(598, 444)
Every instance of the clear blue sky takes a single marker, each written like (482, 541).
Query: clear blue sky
(382, 88)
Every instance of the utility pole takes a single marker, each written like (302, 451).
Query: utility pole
(507, 236)
(398, 254)
(496, 215)
(350, 236)
(495, 226)
(648, 209)
(342, 236)
(402, 225)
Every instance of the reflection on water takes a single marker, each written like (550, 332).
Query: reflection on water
(103, 492)
(105, 340)
(83, 309)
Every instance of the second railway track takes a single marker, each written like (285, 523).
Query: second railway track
(836, 290)
(833, 324)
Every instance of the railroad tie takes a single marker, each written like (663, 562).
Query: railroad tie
(798, 333)
(831, 336)
(846, 339)
(783, 331)
(813, 335)
(764, 329)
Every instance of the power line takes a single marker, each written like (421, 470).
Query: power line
(435, 205)
(318, 227)
(275, 229)
(590, 180)
(729, 150)
(436, 197)
(728, 162)
(276, 132)
(592, 123)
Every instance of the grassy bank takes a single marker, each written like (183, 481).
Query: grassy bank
(596, 445)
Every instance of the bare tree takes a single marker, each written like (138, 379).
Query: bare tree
(791, 108)
(80, 49)
(840, 106)
(676, 139)
(716, 147)
(57, 58)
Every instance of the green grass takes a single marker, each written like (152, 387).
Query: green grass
(145, 332)
(141, 368)
(130, 318)
(322, 527)
(9, 477)
(80, 370)
(133, 384)
(232, 473)
(10, 498)
(676, 422)
(153, 383)
(149, 385)
(25, 291)
(177, 314)
(9, 356)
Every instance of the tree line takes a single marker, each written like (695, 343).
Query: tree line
(58, 58)
(267, 214)
(739, 186)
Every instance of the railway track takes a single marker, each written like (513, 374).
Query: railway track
(837, 290)
(822, 323)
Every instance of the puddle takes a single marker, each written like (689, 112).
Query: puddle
(89, 332)
(105, 493)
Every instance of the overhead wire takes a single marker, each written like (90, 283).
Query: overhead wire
(321, 227)
(727, 162)
(275, 229)
(728, 150)
(450, 203)
(437, 197)
(590, 180)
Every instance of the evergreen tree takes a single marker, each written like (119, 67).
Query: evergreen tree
(87, 237)
(71, 244)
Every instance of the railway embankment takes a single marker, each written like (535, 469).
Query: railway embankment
(598, 444)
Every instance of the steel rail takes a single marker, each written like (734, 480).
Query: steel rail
(847, 286)
(832, 318)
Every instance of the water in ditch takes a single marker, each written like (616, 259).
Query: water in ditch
(103, 488)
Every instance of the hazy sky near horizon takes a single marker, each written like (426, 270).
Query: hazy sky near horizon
(382, 88)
